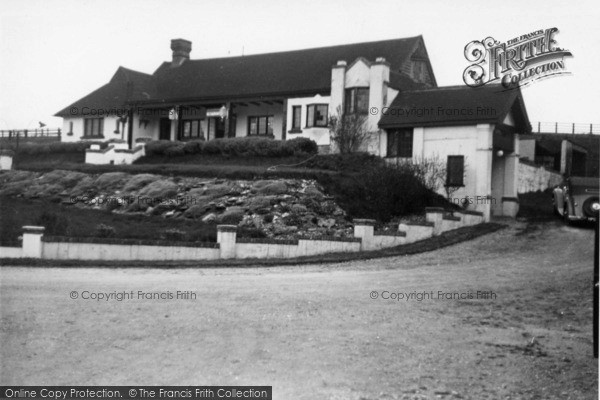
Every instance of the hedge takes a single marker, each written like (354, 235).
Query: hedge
(246, 146)
(49, 148)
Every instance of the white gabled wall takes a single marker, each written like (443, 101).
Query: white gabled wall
(319, 135)
(474, 142)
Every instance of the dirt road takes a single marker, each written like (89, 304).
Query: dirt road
(315, 332)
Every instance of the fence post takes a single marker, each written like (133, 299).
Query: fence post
(573, 130)
(591, 129)
(59, 133)
(539, 126)
(556, 127)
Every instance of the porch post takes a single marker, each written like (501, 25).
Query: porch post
(510, 201)
(130, 129)
(179, 122)
(284, 121)
(483, 167)
(227, 120)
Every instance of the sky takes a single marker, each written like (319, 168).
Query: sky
(54, 52)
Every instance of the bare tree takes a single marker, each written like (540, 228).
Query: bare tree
(348, 132)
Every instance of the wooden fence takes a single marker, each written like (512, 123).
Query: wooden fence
(30, 135)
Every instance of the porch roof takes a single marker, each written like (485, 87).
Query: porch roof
(456, 105)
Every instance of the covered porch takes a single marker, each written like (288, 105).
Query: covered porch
(264, 117)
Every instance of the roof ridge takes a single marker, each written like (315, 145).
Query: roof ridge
(303, 49)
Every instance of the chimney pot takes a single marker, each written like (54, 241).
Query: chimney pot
(181, 51)
(342, 63)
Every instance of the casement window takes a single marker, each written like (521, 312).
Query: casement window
(93, 127)
(400, 142)
(192, 129)
(260, 126)
(316, 115)
(296, 117)
(356, 101)
(455, 171)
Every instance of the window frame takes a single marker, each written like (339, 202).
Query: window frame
(403, 146)
(89, 125)
(351, 100)
(296, 109)
(460, 182)
(200, 130)
(313, 123)
(258, 125)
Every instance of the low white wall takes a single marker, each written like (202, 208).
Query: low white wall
(100, 157)
(536, 178)
(228, 246)
(124, 252)
(116, 153)
(11, 252)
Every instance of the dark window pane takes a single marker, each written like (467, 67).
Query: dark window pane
(310, 116)
(186, 129)
(296, 117)
(349, 101)
(194, 132)
(262, 125)
(253, 127)
(362, 100)
(321, 115)
(400, 143)
(455, 167)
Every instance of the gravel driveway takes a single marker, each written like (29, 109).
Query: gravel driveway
(318, 332)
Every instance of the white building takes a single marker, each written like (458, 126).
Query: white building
(293, 94)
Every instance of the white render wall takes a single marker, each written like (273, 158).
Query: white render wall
(474, 142)
(251, 110)
(110, 123)
(320, 135)
(127, 252)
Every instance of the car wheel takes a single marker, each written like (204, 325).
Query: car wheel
(591, 207)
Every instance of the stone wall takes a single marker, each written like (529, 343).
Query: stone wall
(533, 178)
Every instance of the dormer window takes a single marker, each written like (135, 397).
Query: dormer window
(356, 101)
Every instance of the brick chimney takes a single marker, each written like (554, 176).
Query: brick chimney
(181, 51)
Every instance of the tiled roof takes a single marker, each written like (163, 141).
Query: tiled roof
(455, 105)
(273, 74)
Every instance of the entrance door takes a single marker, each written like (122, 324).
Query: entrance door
(216, 128)
(165, 129)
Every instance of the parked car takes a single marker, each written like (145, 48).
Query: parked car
(576, 199)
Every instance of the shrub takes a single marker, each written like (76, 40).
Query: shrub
(382, 192)
(250, 232)
(345, 162)
(235, 147)
(175, 151)
(303, 145)
(105, 231)
(56, 225)
(193, 147)
(49, 148)
(158, 147)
